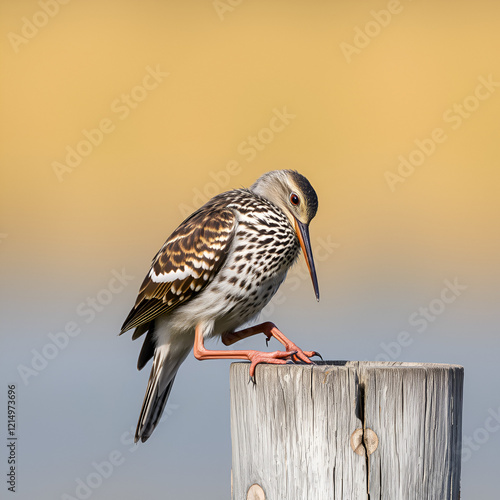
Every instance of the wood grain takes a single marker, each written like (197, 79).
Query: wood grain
(291, 431)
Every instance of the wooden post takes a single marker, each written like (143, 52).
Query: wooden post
(346, 430)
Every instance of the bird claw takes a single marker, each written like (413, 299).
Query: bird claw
(316, 353)
(268, 338)
(300, 355)
(311, 354)
(292, 354)
(303, 356)
(273, 358)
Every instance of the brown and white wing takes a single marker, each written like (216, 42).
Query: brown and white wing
(184, 266)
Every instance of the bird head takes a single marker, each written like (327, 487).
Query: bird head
(293, 193)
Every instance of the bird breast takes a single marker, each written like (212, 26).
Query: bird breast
(264, 248)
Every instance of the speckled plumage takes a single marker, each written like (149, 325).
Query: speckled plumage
(216, 271)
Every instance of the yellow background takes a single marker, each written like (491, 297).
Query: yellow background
(353, 119)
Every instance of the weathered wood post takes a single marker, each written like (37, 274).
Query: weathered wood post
(346, 430)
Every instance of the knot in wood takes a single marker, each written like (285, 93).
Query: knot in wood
(255, 492)
(364, 442)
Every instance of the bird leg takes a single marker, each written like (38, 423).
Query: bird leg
(269, 330)
(256, 357)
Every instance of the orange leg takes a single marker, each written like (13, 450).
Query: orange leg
(269, 330)
(256, 357)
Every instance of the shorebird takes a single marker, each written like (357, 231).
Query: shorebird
(216, 272)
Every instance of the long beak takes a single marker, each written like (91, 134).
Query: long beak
(302, 231)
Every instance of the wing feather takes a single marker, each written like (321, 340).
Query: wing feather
(184, 266)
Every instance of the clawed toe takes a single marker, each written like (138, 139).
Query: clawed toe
(302, 357)
(292, 355)
(274, 358)
(311, 354)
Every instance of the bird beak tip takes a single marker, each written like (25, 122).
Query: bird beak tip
(303, 235)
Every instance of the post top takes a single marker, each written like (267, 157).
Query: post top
(371, 365)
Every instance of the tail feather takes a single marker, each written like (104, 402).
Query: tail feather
(148, 420)
(167, 360)
(155, 399)
(148, 348)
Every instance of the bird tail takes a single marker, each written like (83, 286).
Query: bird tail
(165, 365)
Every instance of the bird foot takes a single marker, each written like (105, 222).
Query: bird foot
(300, 355)
(272, 358)
(270, 330)
(308, 354)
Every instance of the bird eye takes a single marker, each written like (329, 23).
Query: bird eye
(294, 199)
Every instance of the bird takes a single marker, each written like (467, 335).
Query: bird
(215, 273)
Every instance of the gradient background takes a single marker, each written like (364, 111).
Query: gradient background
(61, 240)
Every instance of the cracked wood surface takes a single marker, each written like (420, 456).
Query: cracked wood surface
(291, 431)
